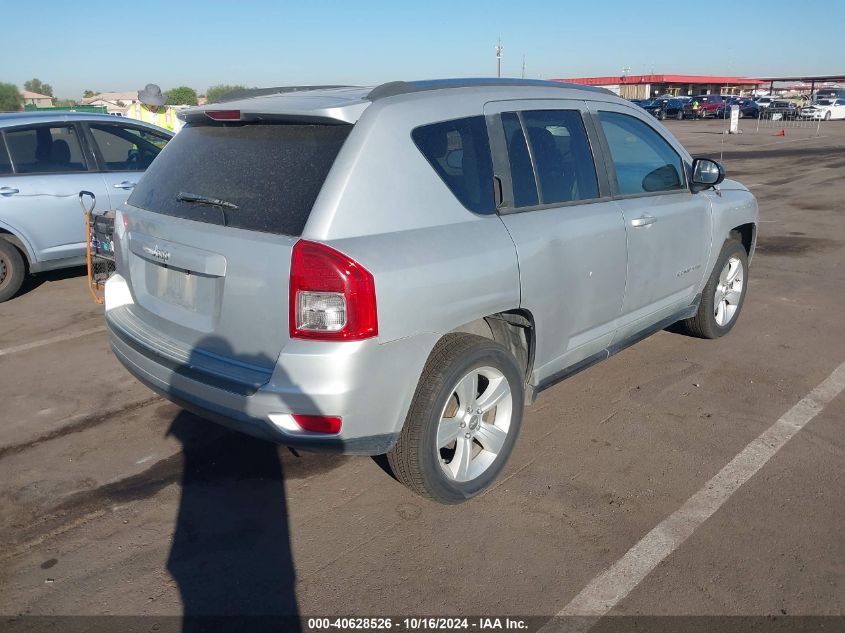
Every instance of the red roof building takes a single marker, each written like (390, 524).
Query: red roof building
(646, 86)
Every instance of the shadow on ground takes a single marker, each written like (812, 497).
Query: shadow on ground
(31, 282)
(231, 553)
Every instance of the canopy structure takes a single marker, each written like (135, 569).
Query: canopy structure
(811, 79)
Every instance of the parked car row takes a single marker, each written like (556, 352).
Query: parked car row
(719, 106)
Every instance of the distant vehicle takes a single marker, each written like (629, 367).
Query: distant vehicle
(747, 108)
(781, 110)
(708, 105)
(825, 109)
(654, 108)
(830, 93)
(765, 102)
(45, 160)
(672, 108)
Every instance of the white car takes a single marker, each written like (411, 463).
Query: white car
(765, 102)
(825, 109)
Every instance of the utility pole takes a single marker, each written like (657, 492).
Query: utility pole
(499, 49)
(523, 65)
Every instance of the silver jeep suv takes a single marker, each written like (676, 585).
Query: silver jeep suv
(397, 270)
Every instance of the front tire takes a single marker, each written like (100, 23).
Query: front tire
(723, 296)
(463, 421)
(12, 270)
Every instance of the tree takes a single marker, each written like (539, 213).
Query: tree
(35, 85)
(221, 90)
(89, 93)
(10, 98)
(183, 95)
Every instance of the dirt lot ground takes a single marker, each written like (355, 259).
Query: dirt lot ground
(116, 502)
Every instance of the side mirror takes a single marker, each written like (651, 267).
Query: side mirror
(706, 173)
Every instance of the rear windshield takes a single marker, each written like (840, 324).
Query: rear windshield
(262, 177)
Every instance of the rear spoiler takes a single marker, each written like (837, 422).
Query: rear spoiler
(222, 115)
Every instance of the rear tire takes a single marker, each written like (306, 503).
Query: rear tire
(680, 115)
(723, 295)
(443, 424)
(12, 270)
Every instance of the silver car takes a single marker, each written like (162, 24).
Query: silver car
(46, 159)
(398, 270)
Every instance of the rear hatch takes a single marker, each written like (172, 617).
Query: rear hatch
(207, 248)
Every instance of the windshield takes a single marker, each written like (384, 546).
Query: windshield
(824, 102)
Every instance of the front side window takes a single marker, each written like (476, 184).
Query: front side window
(644, 161)
(125, 148)
(459, 152)
(45, 150)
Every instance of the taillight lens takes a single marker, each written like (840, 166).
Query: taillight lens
(332, 297)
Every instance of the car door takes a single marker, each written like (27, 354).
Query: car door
(668, 227)
(124, 151)
(568, 233)
(39, 200)
(838, 109)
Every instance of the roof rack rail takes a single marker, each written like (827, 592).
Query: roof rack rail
(394, 88)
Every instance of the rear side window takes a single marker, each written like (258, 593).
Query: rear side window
(459, 152)
(5, 163)
(45, 150)
(644, 161)
(270, 173)
(522, 171)
(562, 157)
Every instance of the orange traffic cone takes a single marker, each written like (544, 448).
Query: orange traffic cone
(781, 133)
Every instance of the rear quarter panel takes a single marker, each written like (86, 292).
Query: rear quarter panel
(436, 264)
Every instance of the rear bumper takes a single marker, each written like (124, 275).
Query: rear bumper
(369, 385)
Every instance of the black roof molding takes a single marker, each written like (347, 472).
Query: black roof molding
(394, 88)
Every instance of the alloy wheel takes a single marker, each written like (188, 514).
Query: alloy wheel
(728, 291)
(474, 424)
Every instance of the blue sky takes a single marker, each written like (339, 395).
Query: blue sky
(124, 45)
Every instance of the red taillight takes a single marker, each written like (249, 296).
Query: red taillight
(318, 423)
(224, 115)
(332, 297)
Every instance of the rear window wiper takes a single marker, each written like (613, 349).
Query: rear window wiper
(215, 202)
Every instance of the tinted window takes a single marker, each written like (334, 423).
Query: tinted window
(562, 156)
(272, 173)
(459, 152)
(45, 150)
(522, 172)
(126, 148)
(5, 163)
(643, 160)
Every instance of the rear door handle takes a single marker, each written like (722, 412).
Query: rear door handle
(644, 220)
(126, 184)
(8, 191)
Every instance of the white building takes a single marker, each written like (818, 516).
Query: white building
(114, 102)
(38, 100)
